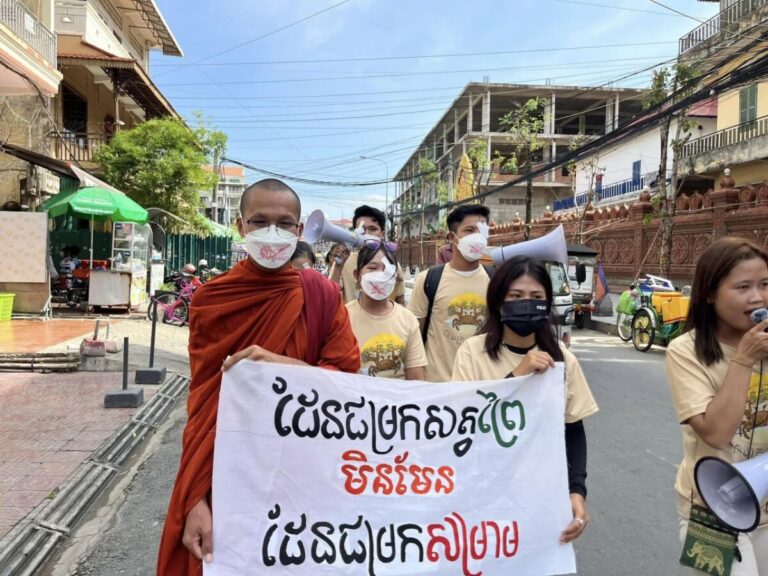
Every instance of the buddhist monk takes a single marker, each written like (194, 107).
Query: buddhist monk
(262, 309)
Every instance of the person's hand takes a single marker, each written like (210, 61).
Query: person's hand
(753, 346)
(198, 531)
(580, 519)
(534, 361)
(340, 254)
(255, 353)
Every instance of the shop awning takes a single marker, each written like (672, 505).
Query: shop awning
(132, 78)
(67, 169)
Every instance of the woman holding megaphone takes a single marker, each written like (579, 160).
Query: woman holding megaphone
(715, 372)
(387, 333)
(519, 339)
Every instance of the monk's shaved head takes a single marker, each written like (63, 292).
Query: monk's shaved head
(268, 185)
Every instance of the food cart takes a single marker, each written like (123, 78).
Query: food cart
(125, 283)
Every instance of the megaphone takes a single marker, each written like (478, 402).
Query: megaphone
(549, 247)
(319, 228)
(733, 492)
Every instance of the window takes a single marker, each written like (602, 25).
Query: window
(748, 104)
(636, 173)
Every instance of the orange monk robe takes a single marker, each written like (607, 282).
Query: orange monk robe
(245, 306)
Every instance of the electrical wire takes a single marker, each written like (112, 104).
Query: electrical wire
(265, 35)
(426, 56)
(406, 74)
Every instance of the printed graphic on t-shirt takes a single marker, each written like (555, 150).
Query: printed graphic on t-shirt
(383, 356)
(754, 425)
(466, 313)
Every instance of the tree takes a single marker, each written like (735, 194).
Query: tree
(669, 82)
(524, 123)
(590, 168)
(160, 164)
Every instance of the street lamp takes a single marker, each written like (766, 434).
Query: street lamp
(386, 171)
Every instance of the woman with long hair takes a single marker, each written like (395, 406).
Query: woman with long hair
(387, 333)
(518, 339)
(719, 391)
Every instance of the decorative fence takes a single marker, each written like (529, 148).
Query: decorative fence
(628, 240)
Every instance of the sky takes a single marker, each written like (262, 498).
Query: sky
(305, 88)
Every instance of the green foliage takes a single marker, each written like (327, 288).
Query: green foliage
(675, 81)
(428, 169)
(478, 154)
(524, 123)
(159, 164)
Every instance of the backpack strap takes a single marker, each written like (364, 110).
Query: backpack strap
(321, 302)
(431, 282)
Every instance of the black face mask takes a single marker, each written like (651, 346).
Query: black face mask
(525, 317)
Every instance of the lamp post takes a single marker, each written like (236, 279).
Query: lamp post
(386, 171)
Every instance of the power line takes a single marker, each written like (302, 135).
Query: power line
(581, 3)
(407, 74)
(266, 35)
(425, 56)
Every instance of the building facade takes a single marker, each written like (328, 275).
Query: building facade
(740, 141)
(229, 189)
(29, 80)
(568, 114)
(78, 75)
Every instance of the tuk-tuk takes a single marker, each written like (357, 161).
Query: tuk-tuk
(582, 274)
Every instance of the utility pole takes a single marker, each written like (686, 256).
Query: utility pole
(215, 195)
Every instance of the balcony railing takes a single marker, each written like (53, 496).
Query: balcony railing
(622, 189)
(76, 146)
(727, 21)
(727, 137)
(26, 26)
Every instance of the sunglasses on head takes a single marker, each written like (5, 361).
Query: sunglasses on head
(376, 244)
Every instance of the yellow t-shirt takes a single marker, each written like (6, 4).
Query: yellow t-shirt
(693, 386)
(388, 344)
(349, 286)
(474, 364)
(457, 314)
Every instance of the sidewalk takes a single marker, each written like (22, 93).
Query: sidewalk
(58, 335)
(59, 446)
(49, 425)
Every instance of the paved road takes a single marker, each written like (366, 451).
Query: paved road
(634, 448)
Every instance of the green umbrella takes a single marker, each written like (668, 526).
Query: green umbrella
(95, 203)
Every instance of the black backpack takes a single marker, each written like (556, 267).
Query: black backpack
(431, 282)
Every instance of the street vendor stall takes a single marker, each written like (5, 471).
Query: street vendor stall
(122, 283)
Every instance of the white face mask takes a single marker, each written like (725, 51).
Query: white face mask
(380, 284)
(271, 247)
(473, 246)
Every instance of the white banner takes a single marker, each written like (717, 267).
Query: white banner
(319, 472)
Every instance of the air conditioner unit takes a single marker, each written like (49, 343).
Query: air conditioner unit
(46, 182)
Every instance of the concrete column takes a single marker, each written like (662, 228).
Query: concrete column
(455, 125)
(553, 154)
(608, 116)
(445, 138)
(547, 117)
(486, 125)
(582, 124)
(616, 113)
(469, 115)
(553, 107)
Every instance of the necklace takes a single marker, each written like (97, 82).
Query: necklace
(516, 349)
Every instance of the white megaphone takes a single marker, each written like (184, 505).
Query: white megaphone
(549, 247)
(733, 492)
(319, 228)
